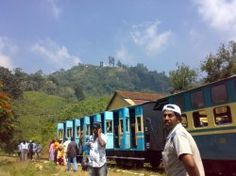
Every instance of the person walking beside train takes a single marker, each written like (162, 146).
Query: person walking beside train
(71, 155)
(181, 156)
(97, 154)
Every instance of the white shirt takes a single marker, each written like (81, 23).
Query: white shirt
(179, 142)
(97, 153)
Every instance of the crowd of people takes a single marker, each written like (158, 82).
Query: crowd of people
(91, 153)
(29, 150)
(180, 155)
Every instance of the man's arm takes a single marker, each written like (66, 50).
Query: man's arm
(189, 164)
(101, 141)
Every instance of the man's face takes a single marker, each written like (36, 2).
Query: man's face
(95, 130)
(170, 119)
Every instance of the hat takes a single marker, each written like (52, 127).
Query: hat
(172, 107)
(96, 125)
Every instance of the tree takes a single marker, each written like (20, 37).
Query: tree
(220, 65)
(182, 78)
(7, 120)
(10, 84)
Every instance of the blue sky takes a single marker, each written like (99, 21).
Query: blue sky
(54, 34)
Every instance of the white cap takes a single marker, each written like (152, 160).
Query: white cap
(172, 107)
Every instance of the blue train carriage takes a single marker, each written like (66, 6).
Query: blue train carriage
(60, 131)
(77, 130)
(209, 115)
(136, 129)
(69, 129)
(107, 128)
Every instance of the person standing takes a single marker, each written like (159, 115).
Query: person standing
(65, 145)
(24, 150)
(71, 155)
(181, 156)
(97, 154)
(51, 150)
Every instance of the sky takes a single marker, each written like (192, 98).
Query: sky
(49, 35)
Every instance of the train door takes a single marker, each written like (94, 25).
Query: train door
(132, 128)
(86, 127)
(124, 128)
(60, 131)
(69, 129)
(77, 130)
(95, 119)
(107, 122)
(116, 129)
(139, 128)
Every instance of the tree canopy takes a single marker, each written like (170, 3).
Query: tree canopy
(220, 65)
(182, 78)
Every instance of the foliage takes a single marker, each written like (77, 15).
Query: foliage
(86, 107)
(7, 122)
(182, 78)
(10, 83)
(222, 64)
(39, 113)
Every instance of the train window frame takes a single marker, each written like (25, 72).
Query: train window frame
(88, 129)
(184, 122)
(109, 126)
(199, 117)
(219, 93)
(60, 133)
(69, 132)
(221, 120)
(139, 123)
(127, 124)
(121, 126)
(78, 130)
(197, 99)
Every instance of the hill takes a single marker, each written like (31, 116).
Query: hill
(38, 114)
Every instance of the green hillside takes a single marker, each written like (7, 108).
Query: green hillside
(38, 113)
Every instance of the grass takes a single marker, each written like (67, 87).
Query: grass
(12, 166)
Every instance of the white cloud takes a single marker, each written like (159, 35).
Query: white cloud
(7, 49)
(123, 55)
(148, 37)
(55, 54)
(54, 8)
(5, 61)
(220, 14)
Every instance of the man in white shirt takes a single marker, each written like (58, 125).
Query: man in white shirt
(181, 156)
(97, 154)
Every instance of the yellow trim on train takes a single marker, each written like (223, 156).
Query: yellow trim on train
(210, 117)
(201, 133)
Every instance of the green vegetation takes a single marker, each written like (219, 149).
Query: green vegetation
(38, 114)
(32, 104)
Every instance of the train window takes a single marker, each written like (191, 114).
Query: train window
(127, 124)
(121, 126)
(60, 134)
(109, 126)
(184, 120)
(139, 123)
(219, 94)
(222, 115)
(179, 100)
(78, 130)
(200, 118)
(88, 129)
(197, 99)
(69, 132)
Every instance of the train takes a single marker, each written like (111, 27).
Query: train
(136, 134)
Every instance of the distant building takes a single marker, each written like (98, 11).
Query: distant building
(126, 98)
